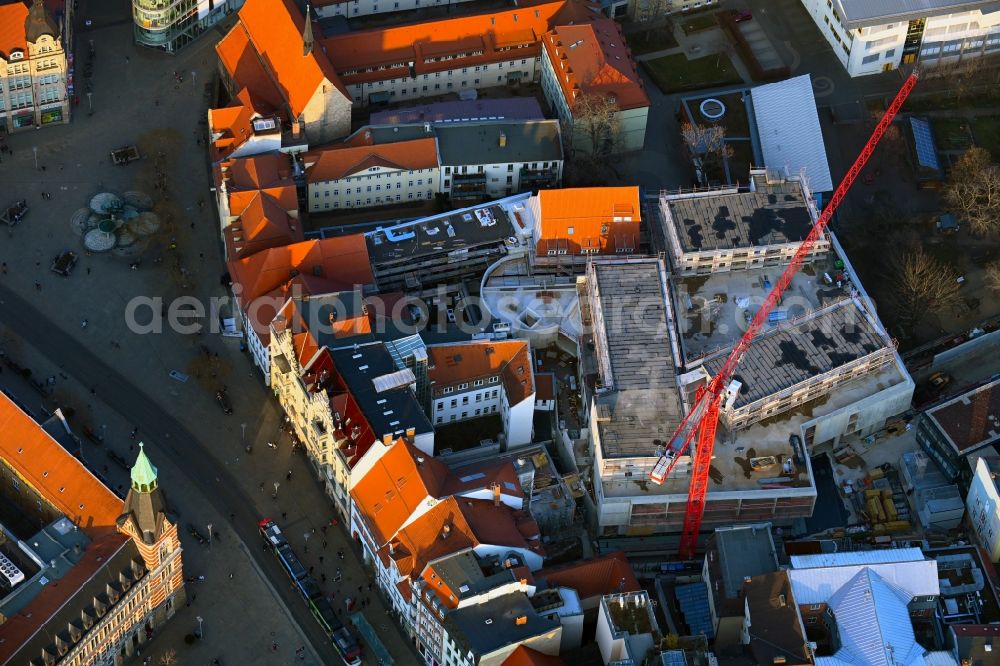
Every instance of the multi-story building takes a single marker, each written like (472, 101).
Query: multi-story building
(270, 52)
(486, 634)
(953, 432)
(353, 8)
(419, 255)
(772, 627)
(652, 10)
(571, 225)
(258, 204)
(363, 172)
(731, 229)
(88, 578)
(248, 127)
(733, 554)
(626, 627)
(34, 88)
(407, 62)
(983, 505)
(263, 282)
(170, 25)
(477, 379)
(591, 60)
(870, 38)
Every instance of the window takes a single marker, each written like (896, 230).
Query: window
(454, 402)
(569, 231)
(462, 387)
(478, 382)
(867, 60)
(465, 399)
(440, 406)
(494, 380)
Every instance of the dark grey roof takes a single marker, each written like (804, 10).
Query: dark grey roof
(479, 143)
(772, 215)
(391, 411)
(124, 563)
(837, 335)
(858, 13)
(487, 627)
(775, 627)
(147, 511)
(39, 22)
(504, 108)
(747, 550)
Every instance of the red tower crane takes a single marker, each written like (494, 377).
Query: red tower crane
(703, 418)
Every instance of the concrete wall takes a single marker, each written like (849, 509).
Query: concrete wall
(519, 422)
(983, 505)
(327, 116)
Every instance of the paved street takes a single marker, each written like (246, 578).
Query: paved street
(207, 475)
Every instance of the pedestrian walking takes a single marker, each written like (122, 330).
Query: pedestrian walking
(369, 587)
(288, 477)
(311, 569)
(322, 577)
(284, 514)
(321, 559)
(261, 486)
(3, 269)
(324, 542)
(88, 270)
(38, 285)
(230, 575)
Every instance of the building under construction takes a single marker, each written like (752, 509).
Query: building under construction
(824, 369)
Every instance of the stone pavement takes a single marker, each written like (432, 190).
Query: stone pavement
(131, 97)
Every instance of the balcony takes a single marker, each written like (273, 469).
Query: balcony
(539, 176)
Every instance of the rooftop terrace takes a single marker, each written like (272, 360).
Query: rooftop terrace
(455, 232)
(776, 213)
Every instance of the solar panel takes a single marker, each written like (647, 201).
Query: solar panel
(693, 599)
(923, 138)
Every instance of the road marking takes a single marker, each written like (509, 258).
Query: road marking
(796, 59)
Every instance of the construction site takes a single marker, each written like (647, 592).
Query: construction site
(821, 369)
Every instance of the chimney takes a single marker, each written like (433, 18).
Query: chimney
(781, 600)
(445, 531)
(307, 34)
(521, 619)
(420, 460)
(411, 433)
(392, 548)
(333, 317)
(496, 494)
(387, 439)
(503, 140)
(296, 128)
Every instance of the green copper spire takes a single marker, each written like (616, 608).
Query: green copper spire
(143, 473)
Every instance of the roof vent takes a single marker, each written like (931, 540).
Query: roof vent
(445, 531)
(420, 459)
(781, 600)
(521, 620)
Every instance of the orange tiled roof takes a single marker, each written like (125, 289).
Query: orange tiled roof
(43, 464)
(454, 524)
(503, 35)
(595, 577)
(246, 68)
(593, 59)
(343, 161)
(341, 261)
(587, 211)
(395, 486)
(273, 37)
(12, 34)
(233, 126)
(452, 364)
(525, 656)
(493, 471)
(263, 223)
(257, 172)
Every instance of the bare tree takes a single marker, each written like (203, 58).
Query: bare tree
(597, 130)
(168, 658)
(919, 283)
(707, 142)
(993, 275)
(973, 191)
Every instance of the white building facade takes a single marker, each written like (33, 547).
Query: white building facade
(869, 42)
(373, 186)
(983, 505)
(353, 8)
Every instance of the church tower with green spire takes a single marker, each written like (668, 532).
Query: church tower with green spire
(147, 521)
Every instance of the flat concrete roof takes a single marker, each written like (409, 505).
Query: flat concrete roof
(790, 354)
(873, 12)
(774, 214)
(479, 143)
(713, 310)
(458, 230)
(645, 404)
(970, 420)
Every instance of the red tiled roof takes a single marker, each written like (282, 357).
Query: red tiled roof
(273, 37)
(12, 35)
(525, 656)
(341, 261)
(595, 577)
(40, 462)
(545, 386)
(453, 364)
(518, 30)
(395, 486)
(587, 211)
(593, 59)
(343, 161)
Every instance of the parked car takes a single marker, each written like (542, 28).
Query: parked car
(223, 400)
(63, 263)
(742, 15)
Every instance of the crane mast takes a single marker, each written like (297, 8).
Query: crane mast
(702, 420)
